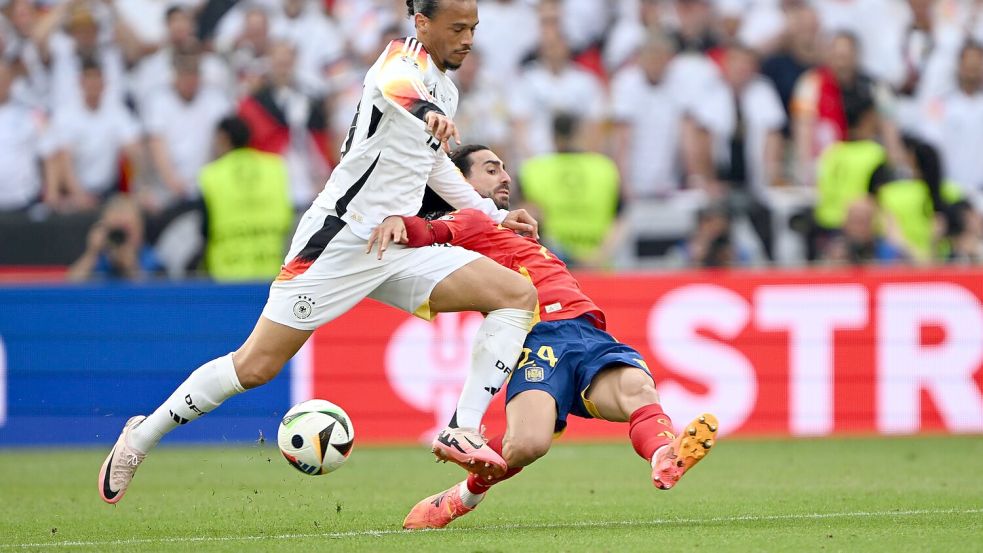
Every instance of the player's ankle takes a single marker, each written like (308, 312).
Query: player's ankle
(469, 498)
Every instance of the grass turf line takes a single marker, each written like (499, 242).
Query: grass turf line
(897, 494)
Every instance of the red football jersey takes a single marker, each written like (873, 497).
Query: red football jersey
(560, 296)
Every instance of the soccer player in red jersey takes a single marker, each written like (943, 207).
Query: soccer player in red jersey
(569, 364)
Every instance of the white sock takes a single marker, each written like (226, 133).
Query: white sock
(470, 500)
(655, 456)
(496, 349)
(203, 391)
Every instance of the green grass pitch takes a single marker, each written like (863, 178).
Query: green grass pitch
(855, 494)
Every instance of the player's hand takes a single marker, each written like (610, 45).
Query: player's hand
(443, 129)
(392, 229)
(522, 222)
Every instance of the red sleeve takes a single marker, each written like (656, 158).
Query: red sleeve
(459, 228)
(420, 232)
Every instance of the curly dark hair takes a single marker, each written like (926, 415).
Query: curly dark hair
(462, 157)
(426, 7)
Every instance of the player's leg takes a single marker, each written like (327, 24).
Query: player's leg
(531, 418)
(625, 393)
(267, 349)
(319, 288)
(510, 301)
(431, 280)
(539, 395)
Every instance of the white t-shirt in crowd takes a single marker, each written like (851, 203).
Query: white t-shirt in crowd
(627, 35)
(695, 75)
(483, 112)
(187, 128)
(954, 124)
(540, 95)
(654, 112)
(363, 22)
(156, 73)
(148, 18)
(318, 41)
(94, 140)
(20, 133)
(584, 21)
(66, 71)
(762, 113)
(506, 34)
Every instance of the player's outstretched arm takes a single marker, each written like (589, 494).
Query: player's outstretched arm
(463, 229)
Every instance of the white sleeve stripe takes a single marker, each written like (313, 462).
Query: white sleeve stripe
(416, 52)
(420, 90)
(406, 45)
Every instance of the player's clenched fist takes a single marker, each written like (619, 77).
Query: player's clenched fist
(443, 129)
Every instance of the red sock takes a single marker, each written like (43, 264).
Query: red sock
(649, 429)
(476, 485)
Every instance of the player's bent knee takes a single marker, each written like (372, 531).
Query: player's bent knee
(521, 294)
(524, 450)
(639, 393)
(255, 369)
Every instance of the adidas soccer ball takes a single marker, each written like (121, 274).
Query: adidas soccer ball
(316, 436)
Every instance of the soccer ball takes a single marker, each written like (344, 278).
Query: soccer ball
(316, 436)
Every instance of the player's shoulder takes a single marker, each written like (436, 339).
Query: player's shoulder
(408, 50)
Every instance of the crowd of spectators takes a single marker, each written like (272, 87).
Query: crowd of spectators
(855, 127)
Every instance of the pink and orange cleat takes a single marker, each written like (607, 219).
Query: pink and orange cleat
(683, 453)
(119, 467)
(466, 447)
(437, 511)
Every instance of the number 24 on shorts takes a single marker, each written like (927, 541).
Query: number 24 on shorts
(545, 353)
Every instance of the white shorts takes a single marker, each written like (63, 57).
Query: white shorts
(327, 272)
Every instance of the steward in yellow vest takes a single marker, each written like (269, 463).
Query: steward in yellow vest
(847, 168)
(247, 208)
(917, 204)
(578, 195)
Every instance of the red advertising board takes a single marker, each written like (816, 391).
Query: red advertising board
(808, 353)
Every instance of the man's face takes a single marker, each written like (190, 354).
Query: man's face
(489, 178)
(282, 61)
(553, 48)
(293, 8)
(654, 59)
(180, 27)
(740, 68)
(450, 34)
(842, 56)
(971, 68)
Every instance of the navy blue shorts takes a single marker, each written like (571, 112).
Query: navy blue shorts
(562, 358)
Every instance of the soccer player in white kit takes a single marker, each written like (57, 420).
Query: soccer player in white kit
(396, 146)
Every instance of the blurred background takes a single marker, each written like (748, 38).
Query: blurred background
(155, 141)
(688, 133)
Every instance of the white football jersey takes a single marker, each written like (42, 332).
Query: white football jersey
(388, 156)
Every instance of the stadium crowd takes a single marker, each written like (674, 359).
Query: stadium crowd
(641, 132)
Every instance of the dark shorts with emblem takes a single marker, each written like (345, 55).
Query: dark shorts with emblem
(562, 358)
